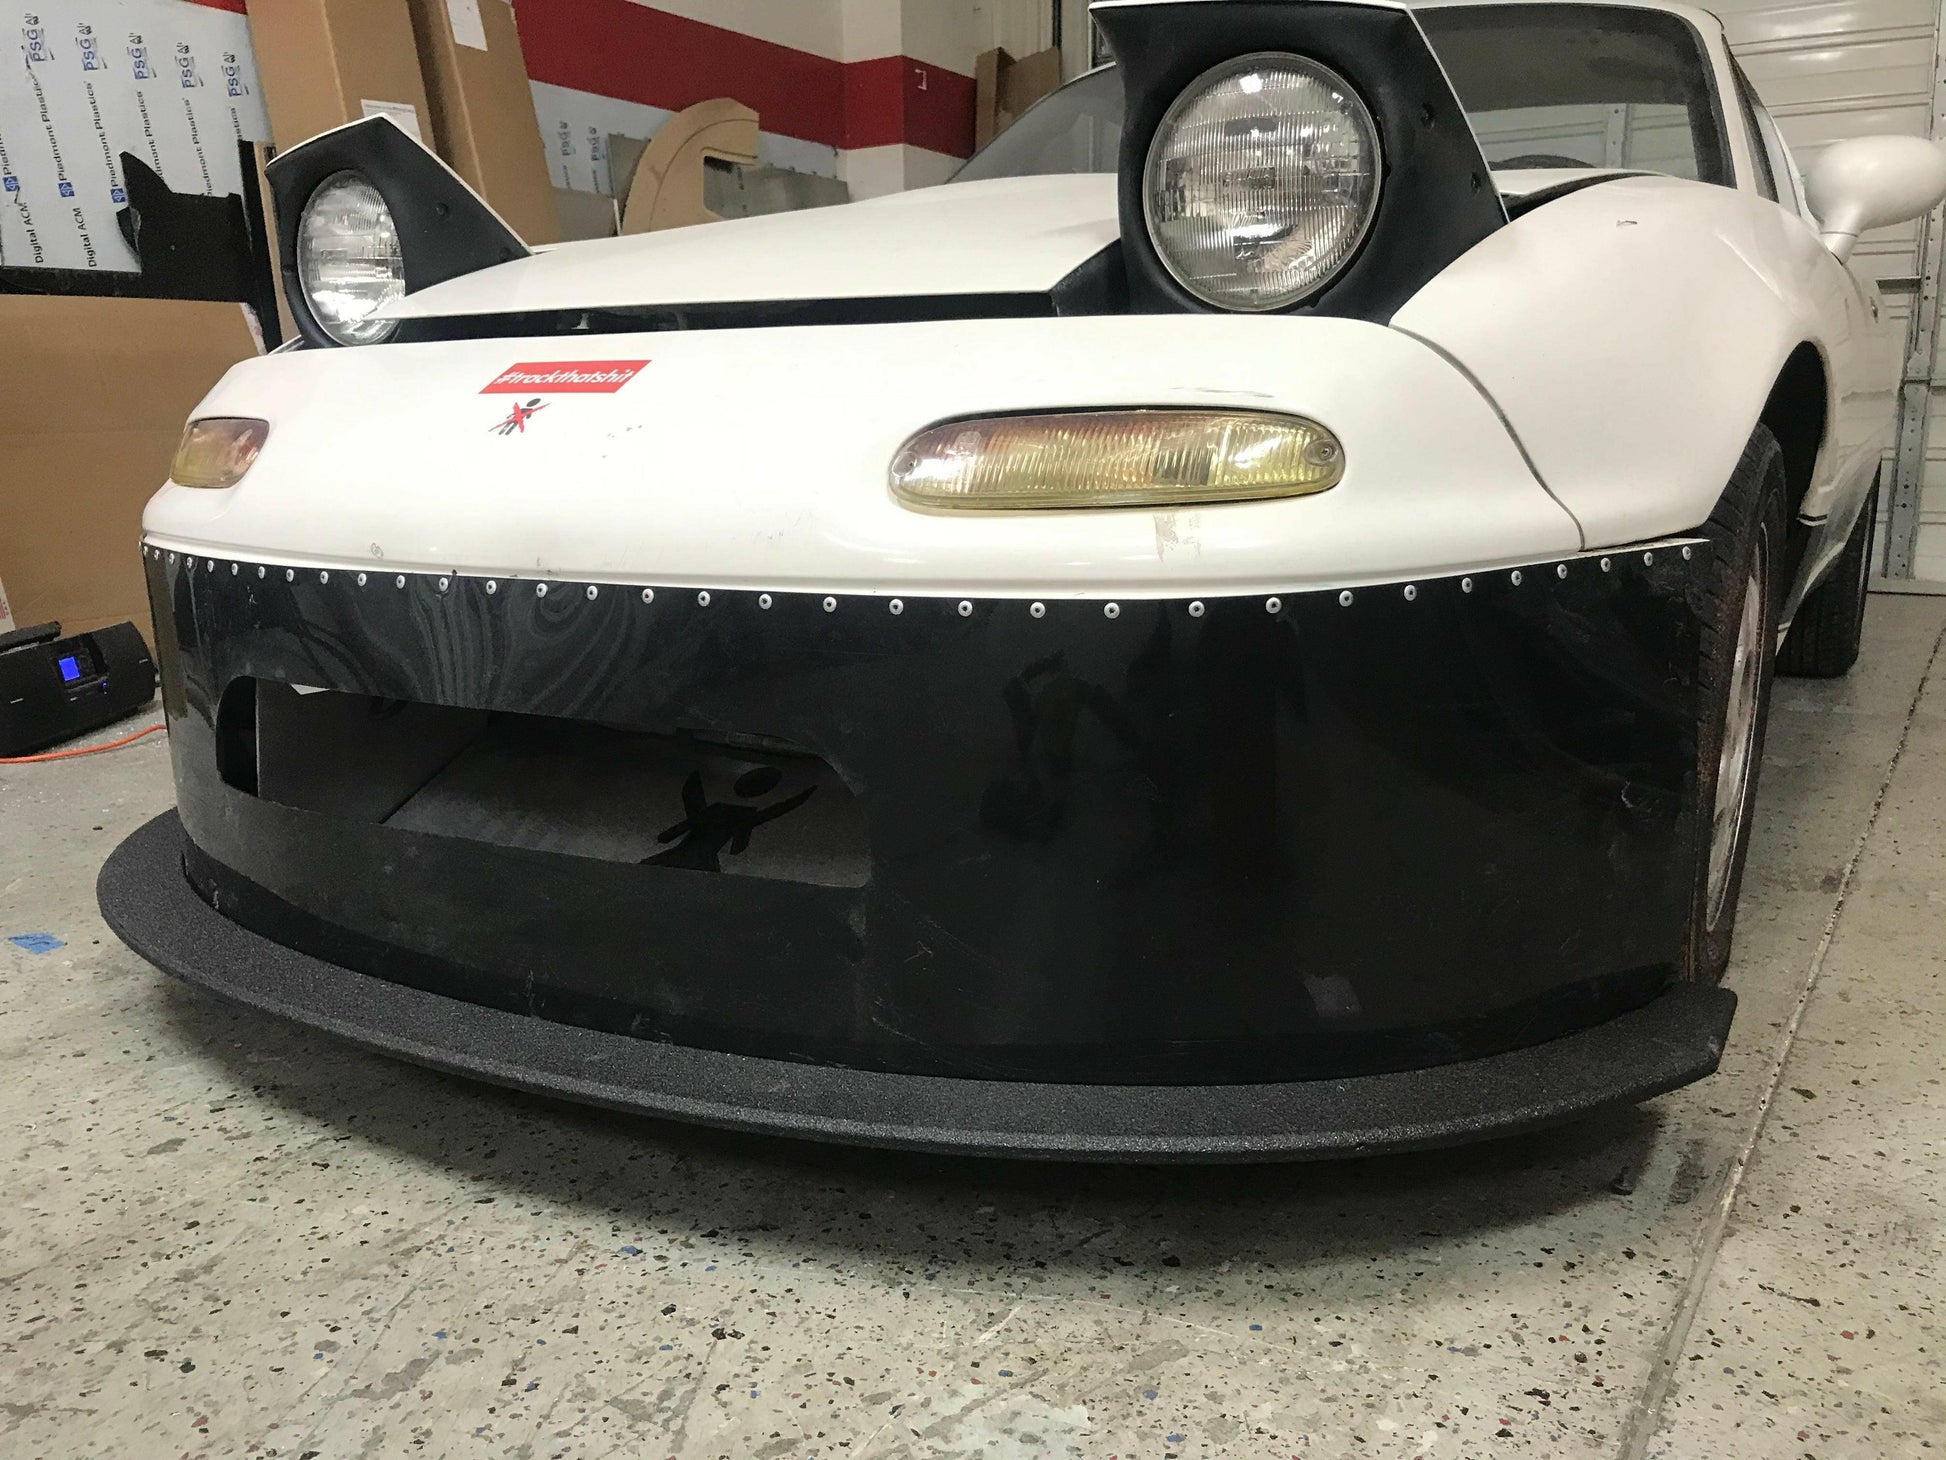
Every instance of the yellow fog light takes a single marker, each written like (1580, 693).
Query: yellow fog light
(1154, 458)
(217, 450)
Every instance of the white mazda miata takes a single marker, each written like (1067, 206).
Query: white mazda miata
(1241, 626)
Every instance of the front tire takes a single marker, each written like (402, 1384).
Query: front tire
(1824, 637)
(1745, 556)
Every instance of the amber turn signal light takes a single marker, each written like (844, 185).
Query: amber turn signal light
(217, 450)
(1124, 458)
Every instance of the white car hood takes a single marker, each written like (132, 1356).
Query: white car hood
(1017, 235)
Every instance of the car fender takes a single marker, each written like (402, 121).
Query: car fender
(1631, 334)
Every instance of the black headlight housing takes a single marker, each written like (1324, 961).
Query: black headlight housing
(1436, 197)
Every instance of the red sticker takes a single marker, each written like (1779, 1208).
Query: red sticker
(562, 377)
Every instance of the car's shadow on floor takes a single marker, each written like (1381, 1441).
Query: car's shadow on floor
(845, 1205)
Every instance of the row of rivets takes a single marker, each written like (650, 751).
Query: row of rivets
(897, 606)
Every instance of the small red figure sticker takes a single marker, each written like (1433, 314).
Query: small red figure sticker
(519, 416)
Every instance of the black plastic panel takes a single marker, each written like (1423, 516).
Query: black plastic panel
(1230, 840)
(1675, 1038)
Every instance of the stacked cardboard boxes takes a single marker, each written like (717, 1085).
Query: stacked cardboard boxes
(96, 393)
(98, 388)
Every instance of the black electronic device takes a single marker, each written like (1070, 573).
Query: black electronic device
(54, 688)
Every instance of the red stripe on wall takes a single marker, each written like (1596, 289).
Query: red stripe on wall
(631, 52)
(938, 109)
(874, 101)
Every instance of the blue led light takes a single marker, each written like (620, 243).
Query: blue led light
(70, 671)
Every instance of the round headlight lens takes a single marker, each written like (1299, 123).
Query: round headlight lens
(1261, 181)
(348, 261)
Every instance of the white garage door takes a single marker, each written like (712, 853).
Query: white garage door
(1829, 69)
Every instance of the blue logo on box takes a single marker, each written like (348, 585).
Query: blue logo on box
(117, 195)
(67, 190)
(10, 183)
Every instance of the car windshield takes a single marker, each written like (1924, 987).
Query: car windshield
(1076, 129)
(1583, 86)
(1543, 85)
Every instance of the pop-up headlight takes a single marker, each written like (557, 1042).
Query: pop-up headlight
(1261, 181)
(348, 259)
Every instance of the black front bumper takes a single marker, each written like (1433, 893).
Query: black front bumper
(1670, 1041)
(1269, 861)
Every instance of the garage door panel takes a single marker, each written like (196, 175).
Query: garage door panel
(1831, 69)
(1753, 26)
(1827, 76)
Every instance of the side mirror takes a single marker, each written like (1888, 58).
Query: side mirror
(1869, 182)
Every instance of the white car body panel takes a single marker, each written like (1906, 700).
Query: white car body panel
(1014, 235)
(1631, 333)
(1584, 378)
(760, 459)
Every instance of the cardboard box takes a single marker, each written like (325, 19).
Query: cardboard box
(483, 109)
(586, 215)
(97, 392)
(323, 63)
(1004, 87)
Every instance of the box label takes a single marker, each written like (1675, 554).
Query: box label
(468, 28)
(564, 377)
(403, 113)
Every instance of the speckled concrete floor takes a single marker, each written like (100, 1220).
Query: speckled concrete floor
(223, 1236)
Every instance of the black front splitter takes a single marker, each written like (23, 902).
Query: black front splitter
(1673, 1040)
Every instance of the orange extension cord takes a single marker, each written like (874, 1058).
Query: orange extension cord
(85, 750)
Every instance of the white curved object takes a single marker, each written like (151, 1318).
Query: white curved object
(1631, 333)
(1864, 183)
